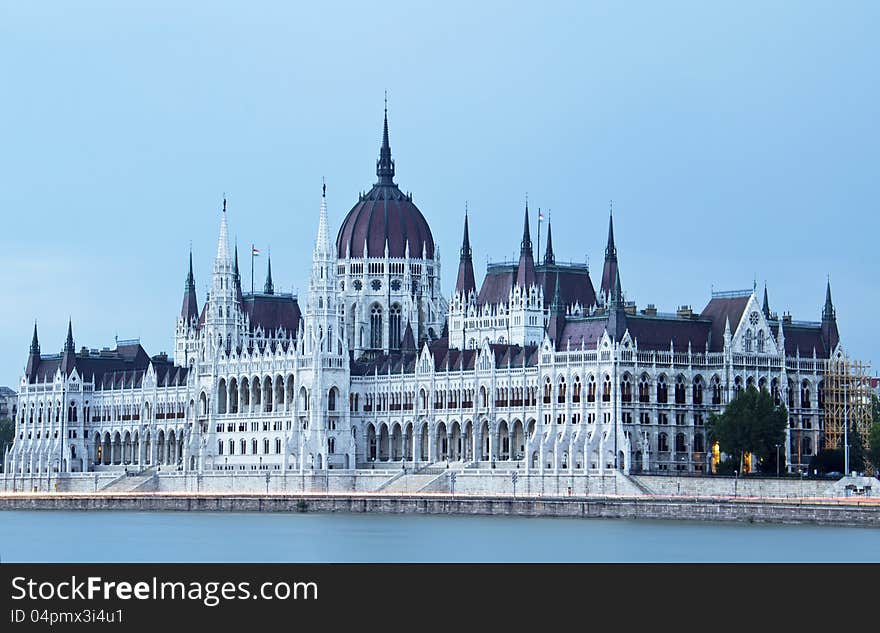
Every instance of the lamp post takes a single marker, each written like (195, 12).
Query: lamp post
(777, 460)
(513, 477)
(735, 482)
(452, 481)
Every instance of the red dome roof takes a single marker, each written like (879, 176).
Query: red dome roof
(383, 216)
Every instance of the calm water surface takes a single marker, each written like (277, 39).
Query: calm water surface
(48, 536)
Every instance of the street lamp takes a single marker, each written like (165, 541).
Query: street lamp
(452, 481)
(735, 482)
(777, 460)
(513, 477)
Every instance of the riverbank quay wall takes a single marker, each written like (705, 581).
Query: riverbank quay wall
(849, 512)
(488, 482)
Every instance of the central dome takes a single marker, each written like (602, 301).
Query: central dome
(385, 215)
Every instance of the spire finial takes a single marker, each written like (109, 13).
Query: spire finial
(765, 308)
(323, 187)
(385, 165)
(224, 202)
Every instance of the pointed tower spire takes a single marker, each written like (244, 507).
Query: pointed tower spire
(269, 288)
(525, 274)
(610, 271)
(35, 342)
(549, 258)
(828, 311)
(610, 248)
(465, 283)
(766, 307)
(68, 344)
(385, 164)
(526, 244)
(189, 309)
(830, 334)
(33, 356)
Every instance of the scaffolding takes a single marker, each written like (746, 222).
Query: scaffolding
(846, 393)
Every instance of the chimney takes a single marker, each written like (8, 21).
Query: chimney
(684, 312)
(650, 310)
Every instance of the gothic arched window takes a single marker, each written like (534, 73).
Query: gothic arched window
(376, 327)
(394, 324)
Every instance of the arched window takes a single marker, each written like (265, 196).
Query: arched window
(747, 341)
(394, 324)
(679, 390)
(331, 399)
(807, 445)
(591, 389)
(254, 446)
(805, 394)
(699, 446)
(231, 446)
(219, 447)
(626, 389)
(560, 398)
(698, 390)
(576, 390)
(680, 443)
(644, 389)
(548, 388)
(265, 446)
(331, 446)
(761, 341)
(716, 390)
(376, 327)
(277, 445)
(737, 385)
(662, 443)
(662, 390)
(243, 446)
(606, 389)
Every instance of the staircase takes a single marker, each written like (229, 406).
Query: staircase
(142, 481)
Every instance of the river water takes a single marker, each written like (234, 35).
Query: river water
(64, 536)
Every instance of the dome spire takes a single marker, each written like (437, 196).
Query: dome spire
(385, 165)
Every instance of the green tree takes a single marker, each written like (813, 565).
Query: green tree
(873, 452)
(750, 423)
(7, 432)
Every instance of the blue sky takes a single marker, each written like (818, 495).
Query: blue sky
(739, 141)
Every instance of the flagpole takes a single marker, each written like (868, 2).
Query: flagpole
(252, 269)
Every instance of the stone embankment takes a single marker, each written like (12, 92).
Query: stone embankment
(827, 511)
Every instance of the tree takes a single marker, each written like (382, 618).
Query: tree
(750, 423)
(7, 432)
(873, 452)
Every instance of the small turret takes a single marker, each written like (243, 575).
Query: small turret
(830, 334)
